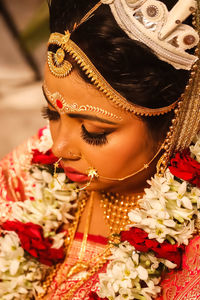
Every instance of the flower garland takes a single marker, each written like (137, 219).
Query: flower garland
(30, 236)
(160, 230)
(30, 239)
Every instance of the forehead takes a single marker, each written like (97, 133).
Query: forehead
(75, 90)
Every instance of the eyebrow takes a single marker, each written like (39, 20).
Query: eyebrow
(82, 116)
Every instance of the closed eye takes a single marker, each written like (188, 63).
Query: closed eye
(93, 138)
(49, 114)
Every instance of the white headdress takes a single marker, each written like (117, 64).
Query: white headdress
(150, 22)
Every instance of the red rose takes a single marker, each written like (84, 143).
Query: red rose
(186, 168)
(33, 241)
(46, 158)
(170, 252)
(94, 296)
(139, 239)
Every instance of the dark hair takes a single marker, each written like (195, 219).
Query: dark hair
(129, 66)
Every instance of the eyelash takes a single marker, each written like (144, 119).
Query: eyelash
(49, 114)
(96, 139)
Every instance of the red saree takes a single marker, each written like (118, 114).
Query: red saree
(179, 285)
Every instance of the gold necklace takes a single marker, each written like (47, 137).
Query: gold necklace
(68, 241)
(116, 208)
(80, 265)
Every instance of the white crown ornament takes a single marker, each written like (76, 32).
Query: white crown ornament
(150, 22)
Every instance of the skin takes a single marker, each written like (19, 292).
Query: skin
(129, 144)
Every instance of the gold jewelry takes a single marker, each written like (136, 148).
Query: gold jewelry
(185, 124)
(145, 166)
(97, 262)
(68, 243)
(92, 173)
(59, 66)
(67, 45)
(80, 265)
(116, 208)
(63, 107)
(75, 156)
(56, 165)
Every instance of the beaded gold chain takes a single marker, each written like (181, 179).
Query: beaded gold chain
(116, 208)
(68, 241)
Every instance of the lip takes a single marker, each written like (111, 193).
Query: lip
(75, 175)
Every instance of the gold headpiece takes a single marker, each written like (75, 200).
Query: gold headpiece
(60, 67)
(187, 114)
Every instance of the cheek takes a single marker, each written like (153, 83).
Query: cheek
(53, 126)
(125, 152)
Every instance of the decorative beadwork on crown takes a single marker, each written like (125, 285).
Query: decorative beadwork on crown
(150, 22)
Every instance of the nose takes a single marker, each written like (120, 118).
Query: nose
(65, 143)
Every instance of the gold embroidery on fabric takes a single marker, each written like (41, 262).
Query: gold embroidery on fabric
(193, 255)
(192, 290)
(81, 293)
(185, 284)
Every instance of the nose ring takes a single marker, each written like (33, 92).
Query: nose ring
(73, 155)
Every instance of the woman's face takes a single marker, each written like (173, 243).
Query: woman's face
(115, 146)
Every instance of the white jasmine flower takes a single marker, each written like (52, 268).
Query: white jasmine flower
(58, 240)
(142, 273)
(45, 143)
(195, 149)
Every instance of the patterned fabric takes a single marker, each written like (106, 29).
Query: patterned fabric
(181, 285)
(95, 245)
(13, 172)
(185, 284)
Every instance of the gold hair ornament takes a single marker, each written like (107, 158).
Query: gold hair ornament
(66, 44)
(186, 122)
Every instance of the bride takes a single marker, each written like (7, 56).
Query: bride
(104, 202)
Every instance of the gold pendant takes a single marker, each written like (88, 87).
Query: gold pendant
(58, 66)
(77, 268)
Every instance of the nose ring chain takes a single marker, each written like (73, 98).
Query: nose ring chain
(92, 173)
(56, 165)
